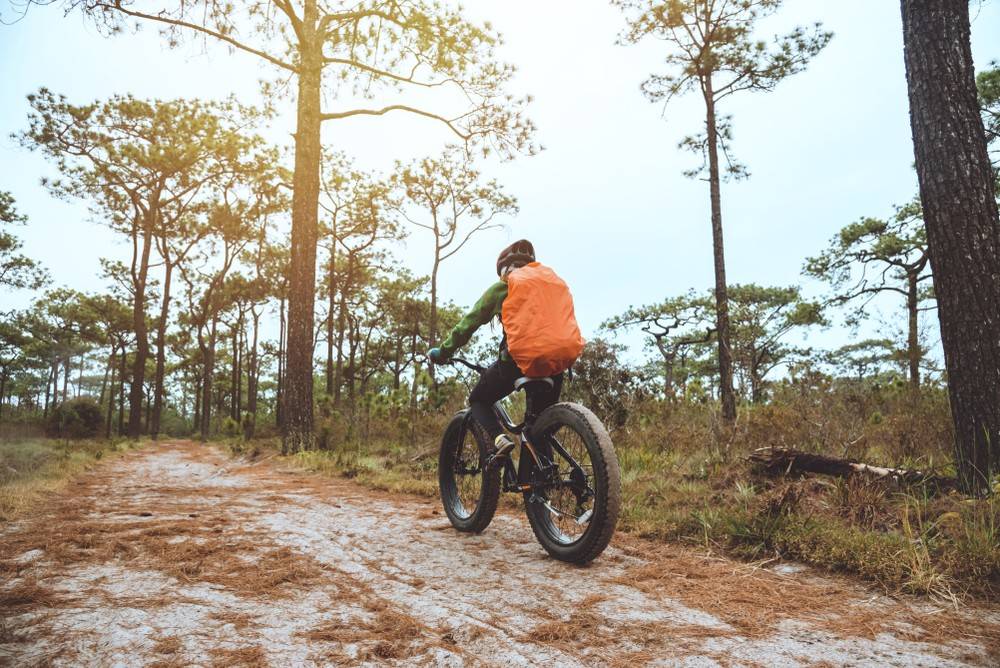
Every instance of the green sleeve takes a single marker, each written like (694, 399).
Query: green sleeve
(488, 306)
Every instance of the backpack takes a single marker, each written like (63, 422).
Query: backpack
(542, 335)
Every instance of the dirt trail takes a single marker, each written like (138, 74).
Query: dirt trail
(175, 556)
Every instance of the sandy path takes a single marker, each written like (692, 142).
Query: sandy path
(175, 555)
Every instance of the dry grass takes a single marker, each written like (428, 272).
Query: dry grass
(581, 628)
(28, 594)
(593, 634)
(32, 469)
(240, 621)
(752, 600)
(191, 543)
(335, 631)
(11, 635)
(385, 632)
(168, 645)
(393, 624)
(186, 534)
(251, 656)
(191, 536)
(685, 480)
(169, 662)
(755, 601)
(589, 632)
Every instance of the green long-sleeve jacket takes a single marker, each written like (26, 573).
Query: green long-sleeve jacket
(487, 308)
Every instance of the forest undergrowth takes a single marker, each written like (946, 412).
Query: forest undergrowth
(687, 479)
(31, 467)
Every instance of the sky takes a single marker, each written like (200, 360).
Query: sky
(606, 203)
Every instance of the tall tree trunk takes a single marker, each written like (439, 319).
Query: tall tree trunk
(354, 340)
(135, 398)
(234, 376)
(65, 392)
(434, 310)
(48, 382)
(726, 392)
(148, 411)
(963, 226)
(111, 395)
(338, 372)
(240, 363)
(364, 388)
(434, 292)
(253, 375)
(279, 398)
(913, 330)
(298, 411)
(104, 380)
(121, 392)
(397, 367)
(668, 368)
(208, 354)
(3, 390)
(685, 374)
(331, 301)
(161, 351)
(756, 386)
(414, 386)
(196, 419)
(338, 367)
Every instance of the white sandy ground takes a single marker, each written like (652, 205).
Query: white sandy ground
(479, 600)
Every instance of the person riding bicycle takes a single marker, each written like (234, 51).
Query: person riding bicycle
(498, 380)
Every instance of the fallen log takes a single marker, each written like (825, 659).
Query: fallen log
(782, 461)
(427, 452)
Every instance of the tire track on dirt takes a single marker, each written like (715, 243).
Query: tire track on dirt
(176, 555)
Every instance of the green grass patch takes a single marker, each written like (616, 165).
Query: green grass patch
(30, 468)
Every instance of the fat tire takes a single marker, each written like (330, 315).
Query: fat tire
(489, 494)
(607, 485)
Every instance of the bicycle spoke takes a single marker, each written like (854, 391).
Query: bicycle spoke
(468, 474)
(570, 498)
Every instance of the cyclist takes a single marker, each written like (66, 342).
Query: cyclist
(498, 381)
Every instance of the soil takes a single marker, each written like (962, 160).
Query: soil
(176, 555)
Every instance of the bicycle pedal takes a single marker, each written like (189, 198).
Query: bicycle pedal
(504, 449)
(495, 460)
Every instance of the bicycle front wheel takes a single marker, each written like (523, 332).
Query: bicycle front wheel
(575, 512)
(469, 491)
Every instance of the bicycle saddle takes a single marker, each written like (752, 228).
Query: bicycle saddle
(524, 381)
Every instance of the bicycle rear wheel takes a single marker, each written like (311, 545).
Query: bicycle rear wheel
(469, 492)
(575, 514)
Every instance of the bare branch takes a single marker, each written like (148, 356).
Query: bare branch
(179, 23)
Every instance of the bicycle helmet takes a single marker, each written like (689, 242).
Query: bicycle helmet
(519, 253)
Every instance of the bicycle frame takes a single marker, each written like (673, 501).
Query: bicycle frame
(511, 477)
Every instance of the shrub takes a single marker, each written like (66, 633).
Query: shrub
(75, 418)
(173, 423)
(604, 384)
(230, 428)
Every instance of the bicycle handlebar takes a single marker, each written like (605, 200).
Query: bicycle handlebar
(472, 365)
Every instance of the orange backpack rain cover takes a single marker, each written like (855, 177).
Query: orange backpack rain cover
(542, 334)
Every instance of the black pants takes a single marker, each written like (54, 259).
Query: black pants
(497, 383)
